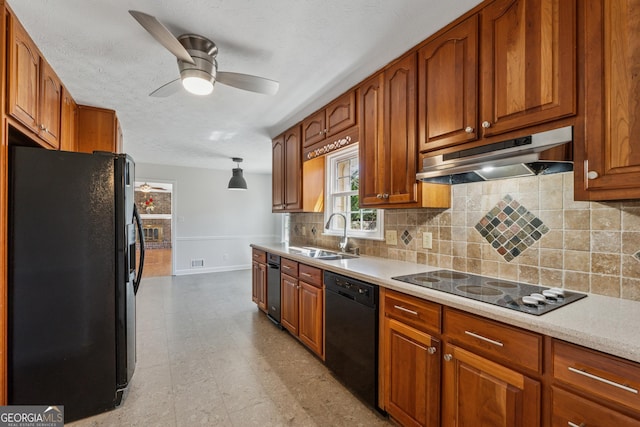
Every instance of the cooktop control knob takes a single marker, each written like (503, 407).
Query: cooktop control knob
(539, 297)
(550, 294)
(558, 291)
(530, 301)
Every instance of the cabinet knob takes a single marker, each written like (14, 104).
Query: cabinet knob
(448, 357)
(469, 129)
(320, 133)
(325, 131)
(379, 196)
(431, 350)
(385, 196)
(42, 127)
(486, 124)
(592, 175)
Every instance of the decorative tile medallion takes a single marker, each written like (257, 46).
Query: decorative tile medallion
(637, 256)
(511, 228)
(406, 237)
(314, 230)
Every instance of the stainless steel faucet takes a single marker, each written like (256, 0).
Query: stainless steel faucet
(343, 242)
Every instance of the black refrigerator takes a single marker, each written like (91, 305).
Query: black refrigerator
(73, 276)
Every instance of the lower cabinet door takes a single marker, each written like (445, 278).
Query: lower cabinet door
(289, 289)
(311, 319)
(572, 410)
(479, 392)
(412, 372)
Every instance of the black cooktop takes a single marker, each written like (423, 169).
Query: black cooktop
(503, 293)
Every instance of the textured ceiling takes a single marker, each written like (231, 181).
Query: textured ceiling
(316, 49)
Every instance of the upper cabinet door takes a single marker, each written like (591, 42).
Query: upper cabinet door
(371, 150)
(528, 63)
(292, 169)
(277, 173)
(313, 129)
(400, 131)
(50, 106)
(341, 114)
(448, 87)
(24, 75)
(607, 154)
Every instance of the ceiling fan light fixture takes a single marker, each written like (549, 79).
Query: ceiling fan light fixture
(237, 181)
(197, 85)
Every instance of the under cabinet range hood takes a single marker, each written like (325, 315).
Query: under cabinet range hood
(525, 156)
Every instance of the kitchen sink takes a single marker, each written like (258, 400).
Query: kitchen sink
(318, 253)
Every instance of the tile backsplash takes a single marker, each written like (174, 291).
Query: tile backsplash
(525, 229)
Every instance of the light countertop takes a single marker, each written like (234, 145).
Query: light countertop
(602, 323)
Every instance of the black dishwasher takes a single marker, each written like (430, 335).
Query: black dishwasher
(351, 334)
(273, 288)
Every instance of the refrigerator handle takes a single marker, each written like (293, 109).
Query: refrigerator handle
(136, 283)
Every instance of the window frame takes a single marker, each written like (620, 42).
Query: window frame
(331, 160)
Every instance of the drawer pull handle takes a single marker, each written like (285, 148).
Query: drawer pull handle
(305, 274)
(603, 380)
(406, 310)
(489, 340)
(286, 267)
(570, 424)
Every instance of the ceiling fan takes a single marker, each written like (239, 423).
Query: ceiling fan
(197, 63)
(145, 188)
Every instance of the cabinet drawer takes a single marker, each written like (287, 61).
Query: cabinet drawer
(605, 376)
(289, 267)
(259, 256)
(572, 410)
(498, 341)
(310, 275)
(420, 314)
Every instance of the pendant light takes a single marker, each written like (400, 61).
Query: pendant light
(237, 181)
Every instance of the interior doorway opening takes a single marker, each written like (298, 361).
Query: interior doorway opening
(154, 202)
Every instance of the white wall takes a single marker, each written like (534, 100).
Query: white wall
(212, 223)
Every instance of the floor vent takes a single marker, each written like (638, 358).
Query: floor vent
(195, 263)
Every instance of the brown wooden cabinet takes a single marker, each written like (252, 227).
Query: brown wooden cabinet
(34, 89)
(509, 67)
(287, 171)
(259, 279)
(311, 316)
(302, 303)
(98, 130)
(607, 162)
(609, 388)
(448, 87)
(289, 303)
(411, 358)
(388, 150)
(336, 117)
(478, 391)
(69, 122)
(528, 63)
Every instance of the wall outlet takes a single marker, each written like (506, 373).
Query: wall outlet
(427, 240)
(304, 230)
(391, 237)
(225, 257)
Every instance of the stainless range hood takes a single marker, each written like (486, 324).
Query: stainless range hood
(505, 159)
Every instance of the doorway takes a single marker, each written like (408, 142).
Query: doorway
(154, 202)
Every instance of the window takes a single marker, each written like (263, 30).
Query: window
(342, 197)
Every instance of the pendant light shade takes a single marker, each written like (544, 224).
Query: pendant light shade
(237, 181)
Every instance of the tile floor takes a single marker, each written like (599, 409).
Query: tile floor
(208, 357)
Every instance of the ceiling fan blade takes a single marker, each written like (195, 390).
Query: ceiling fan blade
(162, 35)
(248, 82)
(167, 89)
